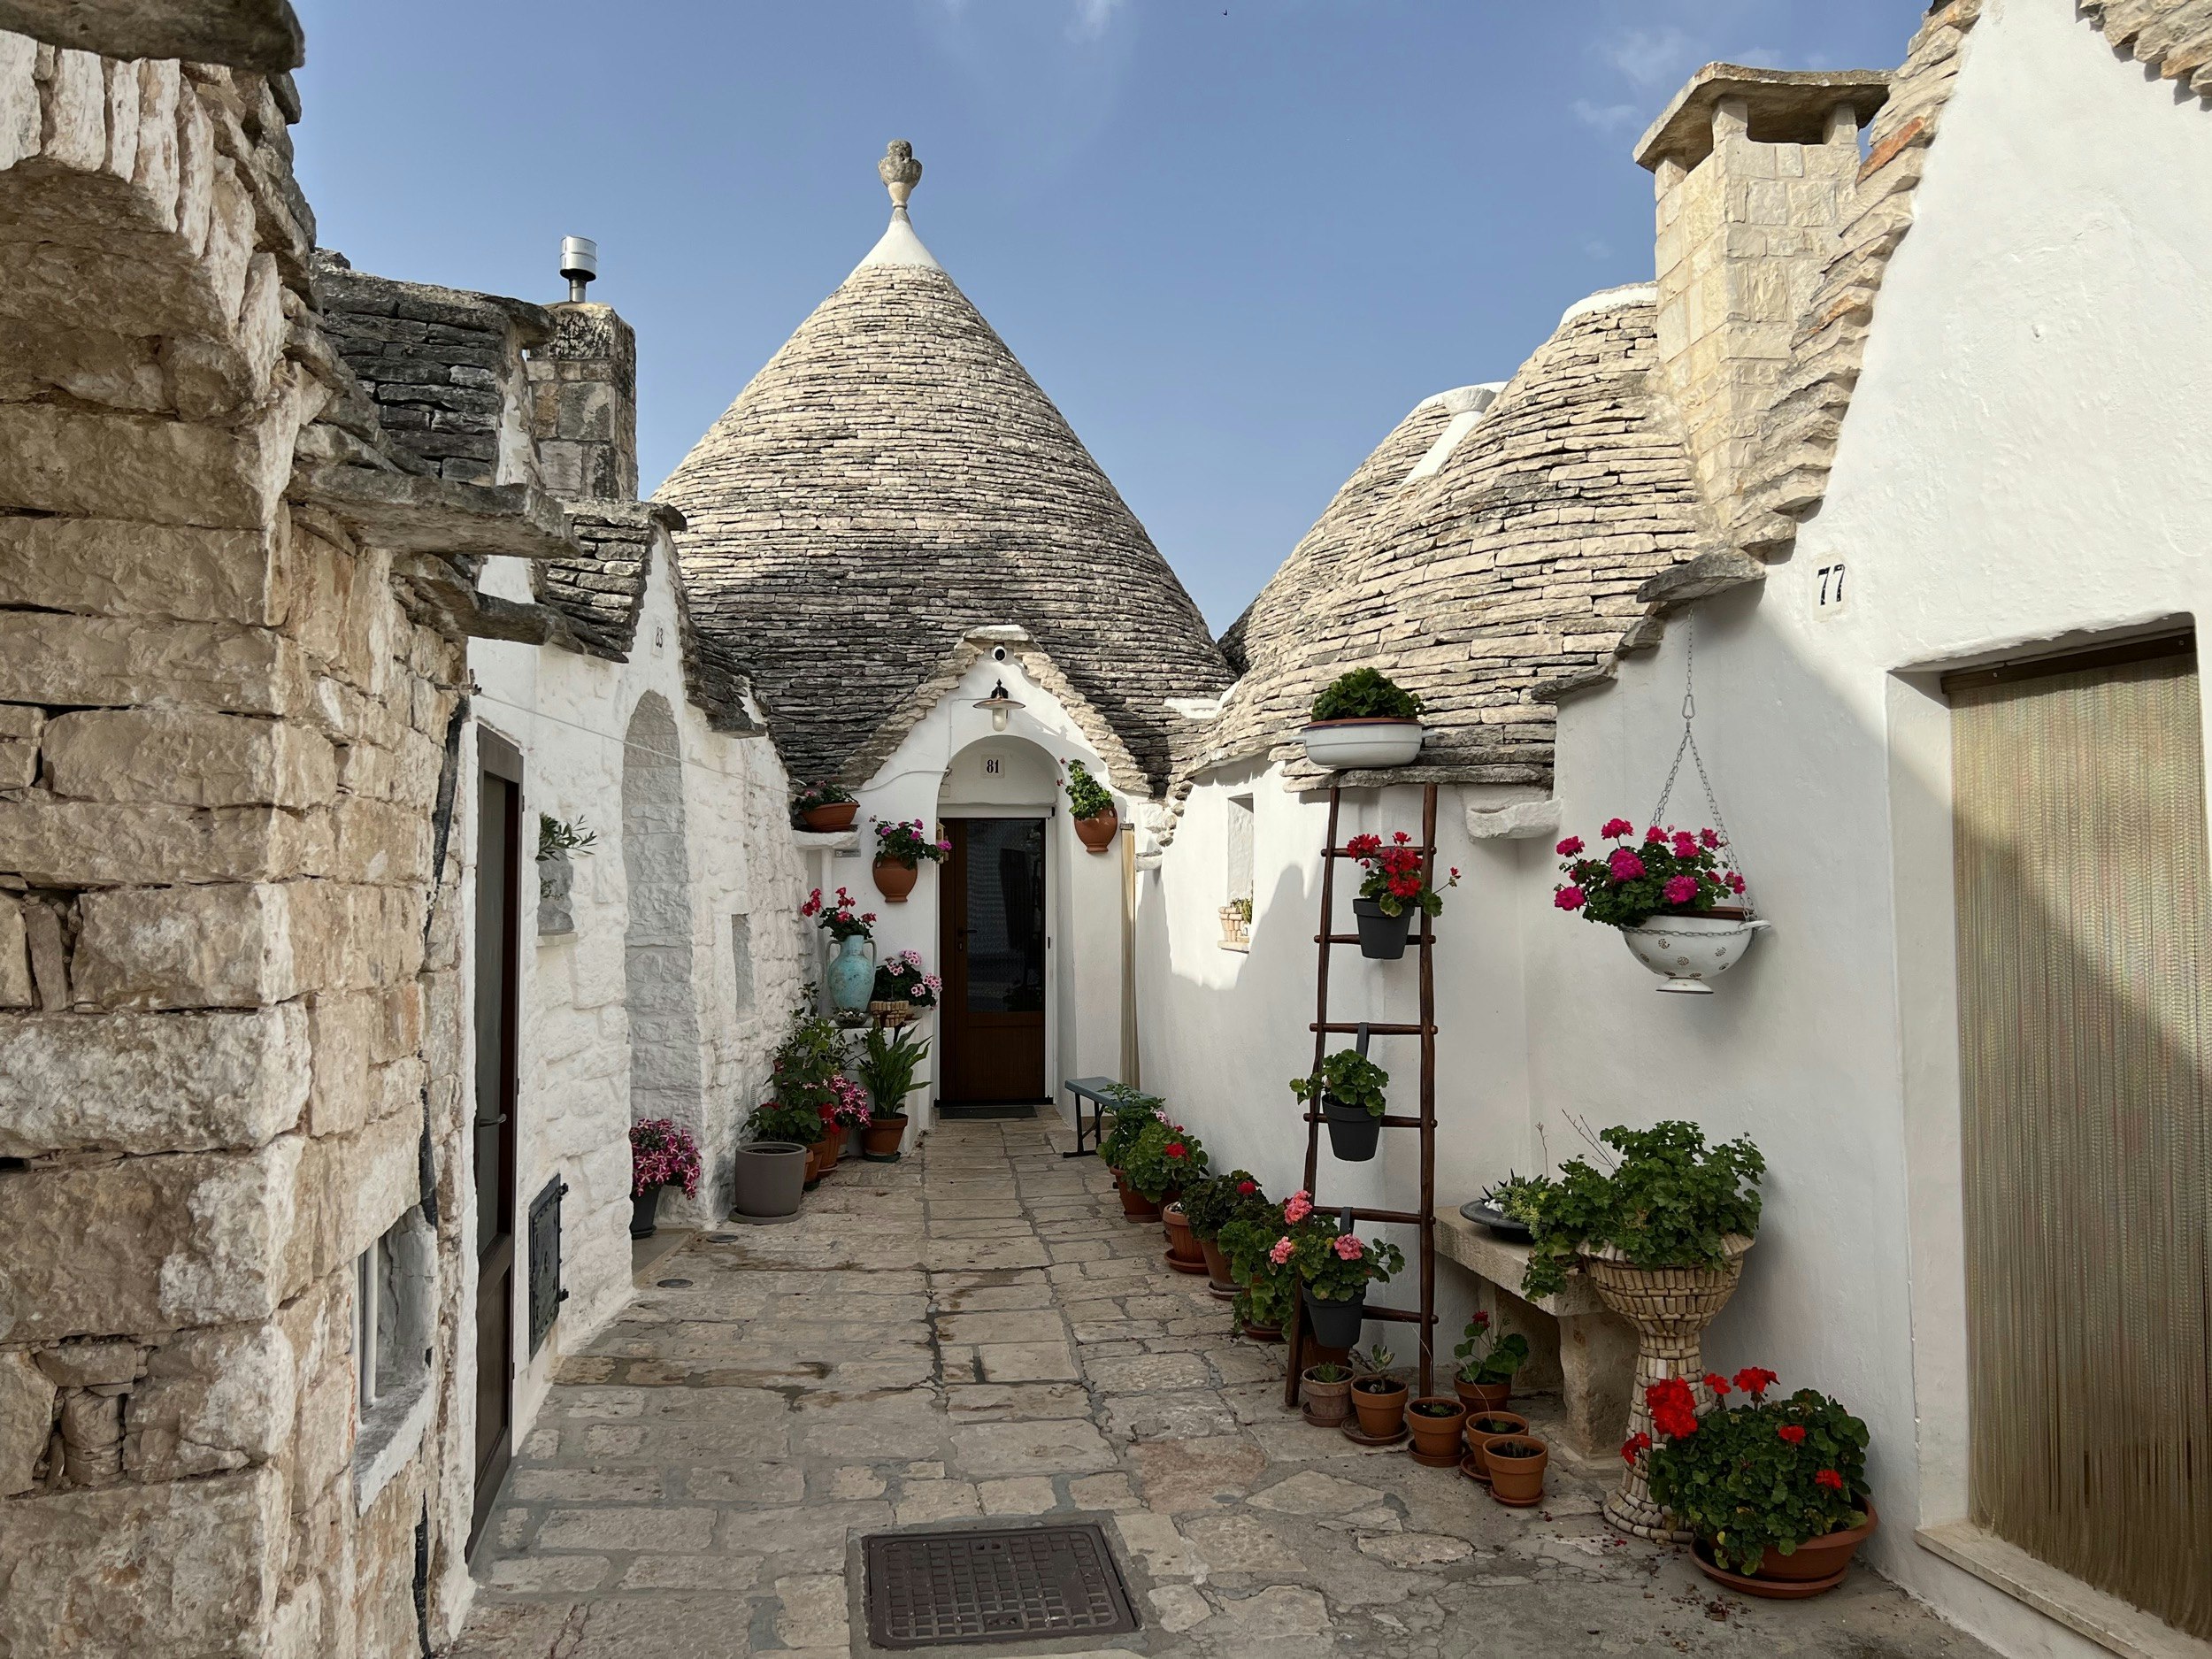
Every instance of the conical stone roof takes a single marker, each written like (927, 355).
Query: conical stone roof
(892, 479)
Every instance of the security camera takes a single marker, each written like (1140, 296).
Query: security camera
(998, 653)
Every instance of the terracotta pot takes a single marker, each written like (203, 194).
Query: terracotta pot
(1181, 1241)
(1097, 831)
(894, 880)
(1381, 1412)
(1481, 1397)
(1816, 1562)
(1134, 1205)
(1478, 1430)
(1326, 1402)
(829, 819)
(1516, 1481)
(1217, 1265)
(880, 1140)
(1436, 1435)
(1263, 1332)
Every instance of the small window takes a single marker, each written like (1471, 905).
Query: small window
(1240, 846)
(742, 959)
(392, 1313)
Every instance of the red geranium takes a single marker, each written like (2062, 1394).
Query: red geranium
(1755, 1380)
(1673, 1407)
(1792, 1432)
(1717, 1383)
(1829, 1479)
(1634, 1445)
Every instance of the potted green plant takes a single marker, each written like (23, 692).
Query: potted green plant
(1436, 1421)
(1325, 1390)
(1509, 1206)
(1334, 1270)
(902, 985)
(1362, 719)
(1270, 1288)
(1133, 1110)
(1349, 1091)
(1211, 1205)
(1671, 894)
(1487, 1362)
(1661, 1236)
(661, 1154)
(826, 807)
(1162, 1158)
(1378, 1397)
(1092, 806)
(1516, 1464)
(1396, 884)
(1774, 1490)
(902, 848)
(1482, 1427)
(886, 1067)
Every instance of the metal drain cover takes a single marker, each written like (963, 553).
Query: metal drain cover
(991, 1584)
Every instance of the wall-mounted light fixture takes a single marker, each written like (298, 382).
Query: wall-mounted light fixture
(1000, 704)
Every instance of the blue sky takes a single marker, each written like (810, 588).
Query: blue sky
(1234, 242)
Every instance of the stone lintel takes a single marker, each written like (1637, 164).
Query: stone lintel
(404, 513)
(1702, 577)
(261, 35)
(1786, 106)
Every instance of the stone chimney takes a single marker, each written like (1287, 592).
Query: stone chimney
(583, 386)
(1754, 169)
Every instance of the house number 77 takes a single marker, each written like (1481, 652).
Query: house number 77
(1830, 588)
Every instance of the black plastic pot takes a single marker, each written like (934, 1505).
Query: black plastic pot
(1335, 1324)
(1352, 1130)
(1381, 938)
(644, 1212)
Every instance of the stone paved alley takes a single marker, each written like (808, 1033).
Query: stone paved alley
(978, 1332)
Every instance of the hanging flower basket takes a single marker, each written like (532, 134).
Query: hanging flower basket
(1670, 893)
(1686, 951)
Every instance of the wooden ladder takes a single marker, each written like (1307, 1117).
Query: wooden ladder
(1324, 1028)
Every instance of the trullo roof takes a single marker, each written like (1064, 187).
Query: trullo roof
(892, 479)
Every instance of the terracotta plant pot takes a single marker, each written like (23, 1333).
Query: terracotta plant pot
(830, 819)
(1097, 832)
(1134, 1205)
(1182, 1243)
(1517, 1463)
(1217, 1268)
(880, 1140)
(768, 1176)
(1381, 1405)
(894, 880)
(1263, 1332)
(1436, 1421)
(1481, 1397)
(1816, 1567)
(1327, 1404)
(1485, 1425)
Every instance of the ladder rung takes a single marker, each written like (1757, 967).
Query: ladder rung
(1345, 852)
(1353, 938)
(1390, 1122)
(1403, 1315)
(1373, 1029)
(1358, 1214)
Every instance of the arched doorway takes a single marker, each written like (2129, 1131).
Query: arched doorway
(658, 955)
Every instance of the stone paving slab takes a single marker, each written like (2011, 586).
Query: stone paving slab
(977, 1333)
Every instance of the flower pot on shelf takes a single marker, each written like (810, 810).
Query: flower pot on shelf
(830, 819)
(894, 880)
(769, 1176)
(851, 975)
(1669, 1308)
(1381, 1403)
(1350, 745)
(1816, 1567)
(1381, 938)
(644, 1211)
(1436, 1421)
(1687, 951)
(1481, 1428)
(1480, 1397)
(1353, 1131)
(1327, 1404)
(1097, 831)
(1335, 1324)
(885, 1134)
(1516, 1464)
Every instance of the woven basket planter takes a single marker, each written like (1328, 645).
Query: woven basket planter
(1669, 1308)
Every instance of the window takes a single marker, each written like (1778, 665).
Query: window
(391, 1326)
(1240, 845)
(742, 959)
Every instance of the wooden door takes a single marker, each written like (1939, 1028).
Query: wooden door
(992, 919)
(498, 921)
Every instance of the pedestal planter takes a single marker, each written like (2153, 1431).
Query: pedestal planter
(1517, 1463)
(1669, 1308)
(894, 880)
(1353, 1131)
(830, 819)
(1097, 831)
(880, 1140)
(769, 1175)
(1381, 1410)
(645, 1212)
(1326, 1404)
(1687, 951)
(1335, 1324)
(1816, 1567)
(1381, 938)
(1436, 1421)
(1346, 745)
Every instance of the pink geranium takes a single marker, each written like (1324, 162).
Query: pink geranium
(1680, 889)
(1347, 1247)
(1280, 1251)
(1568, 898)
(1624, 864)
(1615, 827)
(1661, 869)
(1569, 847)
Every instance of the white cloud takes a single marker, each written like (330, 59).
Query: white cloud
(1607, 118)
(1651, 58)
(1092, 19)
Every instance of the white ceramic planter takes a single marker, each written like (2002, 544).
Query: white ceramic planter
(1354, 745)
(1686, 951)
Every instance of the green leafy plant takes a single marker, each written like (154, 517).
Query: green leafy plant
(1241, 908)
(779, 1120)
(1134, 1108)
(906, 844)
(1328, 1372)
(1086, 796)
(1372, 1365)
(1365, 694)
(887, 1065)
(1487, 1359)
(1516, 1196)
(809, 1062)
(1214, 1202)
(827, 793)
(1668, 1202)
(1334, 1266)
(1759, 1475)
(1267, 1299)
(1681, 872)
(1348, 1078)
(1162, 1159)
(840, 917)
(556, 836)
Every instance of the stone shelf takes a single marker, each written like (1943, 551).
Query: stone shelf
(846, 840)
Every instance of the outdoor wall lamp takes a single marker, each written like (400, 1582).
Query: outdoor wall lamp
(1000, 704)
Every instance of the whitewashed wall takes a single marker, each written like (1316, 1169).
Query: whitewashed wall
(568, 714)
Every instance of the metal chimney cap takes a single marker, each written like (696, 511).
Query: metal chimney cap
(579, 258)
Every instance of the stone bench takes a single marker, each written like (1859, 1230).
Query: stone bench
(1575, 1344)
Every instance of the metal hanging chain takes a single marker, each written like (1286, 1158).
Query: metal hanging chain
(1688, 746)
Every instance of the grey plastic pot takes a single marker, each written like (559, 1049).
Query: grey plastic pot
(1335, 1324)
(770, 1177)
(1352, 1130)
(1381, 938)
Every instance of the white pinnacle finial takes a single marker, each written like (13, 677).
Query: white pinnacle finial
(899, 170)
